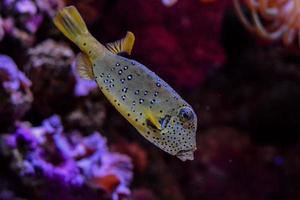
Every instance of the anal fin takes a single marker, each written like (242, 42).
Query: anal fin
(84, 66)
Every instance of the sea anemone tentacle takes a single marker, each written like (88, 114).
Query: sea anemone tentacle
(271, 19)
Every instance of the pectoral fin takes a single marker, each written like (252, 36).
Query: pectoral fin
(84, 66)
(152, 121)
(124, 45)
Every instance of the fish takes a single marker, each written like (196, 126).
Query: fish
(148, 103)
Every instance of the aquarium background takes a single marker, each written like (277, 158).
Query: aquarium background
(61, 139)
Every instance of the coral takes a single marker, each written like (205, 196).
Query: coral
(1, 29)
(83, 87)
(45, 157)
(89, 114)
(16, 97)
(49, 69)
(24, 17)
(49, 6)
(245, 92)
(138, 155)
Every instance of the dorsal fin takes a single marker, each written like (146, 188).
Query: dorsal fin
(84, 66)
(123, 45)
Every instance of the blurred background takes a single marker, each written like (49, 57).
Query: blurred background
(61, 139)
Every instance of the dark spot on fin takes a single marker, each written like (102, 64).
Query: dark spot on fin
(123, 45)
(150, 124)
(152, 121)
(84, 66)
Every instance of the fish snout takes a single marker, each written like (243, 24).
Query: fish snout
(186, 154)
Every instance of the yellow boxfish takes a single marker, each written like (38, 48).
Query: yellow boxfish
(144, 99)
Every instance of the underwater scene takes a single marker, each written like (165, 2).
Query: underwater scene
(150, 99)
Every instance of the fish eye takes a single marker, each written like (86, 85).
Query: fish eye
(186, 114)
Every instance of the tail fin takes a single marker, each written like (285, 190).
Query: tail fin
(70, 23)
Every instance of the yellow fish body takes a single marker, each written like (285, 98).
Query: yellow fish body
(144, 99)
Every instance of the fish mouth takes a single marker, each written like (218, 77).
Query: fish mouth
(185, 154)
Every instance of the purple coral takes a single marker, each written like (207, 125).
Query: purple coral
(113, 164)
(15, 91)
(26, 16)
(45, 155)
(83, 87)
(49, 6)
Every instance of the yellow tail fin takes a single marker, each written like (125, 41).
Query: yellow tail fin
(70, 23)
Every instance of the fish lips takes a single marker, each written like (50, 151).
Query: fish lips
(184, 155)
